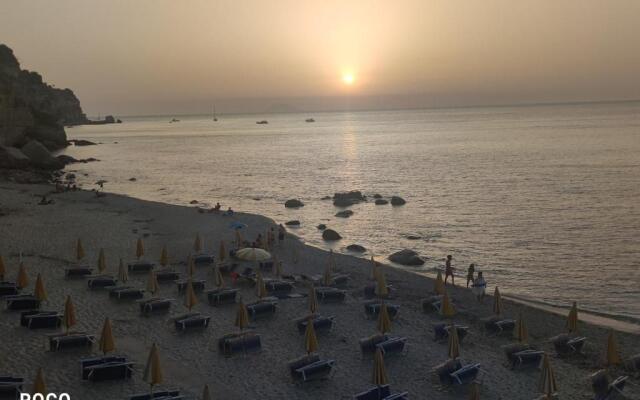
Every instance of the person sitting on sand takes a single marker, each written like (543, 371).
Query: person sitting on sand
(217, 207)
(479, 286)
(448, 270)
(229, 211)
(470, 272)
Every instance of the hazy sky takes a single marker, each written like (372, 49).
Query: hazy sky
(157, 56)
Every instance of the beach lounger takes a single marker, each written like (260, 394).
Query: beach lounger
(370, 291)
(198, 285)
(320, 324)
(22, 302)
(375, 393)
(106, 368)
(499, 326)
(40, 319)
(10, 387)
(330, 294)
(441, 332)
(373, 308)
(633, 363)
(398, 396)
(607, 391)
(444, 371)
(266, 266)
(8, 289)
(71, 340)
(368, 344)
(239, 343)
(192, 320)
(167, 276)
(81, 271)
(219, 297)
(141, 266)
(432, 304)
(567, 345)
(527, 358)
(393, 345)
(315, 371)
(159, 395)
(278, 288)
(465, 375)
(100, 282)
(155, 305)
(302, 361)
(204, 259)
(126, 293)
(265, 308)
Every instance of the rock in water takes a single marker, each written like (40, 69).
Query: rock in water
(321, 227)
(40, 156)
(348, 198)
(406, 257)
(344, 214)
(293, 203)
(397, 201)
(356, 248)
(295, 222)
(377, 196)
(381, 202)
(330, 235)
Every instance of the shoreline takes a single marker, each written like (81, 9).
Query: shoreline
(46, 235)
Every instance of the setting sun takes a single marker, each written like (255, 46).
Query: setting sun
(347, 79)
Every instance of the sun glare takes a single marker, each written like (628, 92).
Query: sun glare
(347, 79)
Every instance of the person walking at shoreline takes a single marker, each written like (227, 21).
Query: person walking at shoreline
(479, 287)
(470, 271)
(448, 270)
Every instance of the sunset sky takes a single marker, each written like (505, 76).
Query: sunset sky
(132, 57)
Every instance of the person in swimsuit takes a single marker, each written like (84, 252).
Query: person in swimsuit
(448, 270)
(470, 271)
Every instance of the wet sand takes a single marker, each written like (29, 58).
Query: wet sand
(46, 235)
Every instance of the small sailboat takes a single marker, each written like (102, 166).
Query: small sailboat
(263, 122)
(309, 120)
(215, 119)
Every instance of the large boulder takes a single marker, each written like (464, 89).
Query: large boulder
(13, 158)
(356, 248)
(40, 156)
(406, 257)
(344, 214)
(330, 235)
(397, 201)
(347, 199)
(293, 203)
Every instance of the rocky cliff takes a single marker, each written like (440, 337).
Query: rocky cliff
(32, 115)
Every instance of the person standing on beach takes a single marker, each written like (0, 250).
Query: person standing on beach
(479, 287)
(470, 272)
(448, 270)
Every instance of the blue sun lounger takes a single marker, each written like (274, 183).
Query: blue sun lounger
(80, 271)
(8, 289)
(22, 302)
(155, 305)
(192, 320)
(278, 288)
(320, 324)
(382, 392)
(317, 370)
(204, 259)
(106, 368)
(527, 358)
(159, 395)
(101, 282)
(40, 319)
(126, 293)
(167, 276)
(10, 387)
(465, 375)
(71, 340)
(262, 309)
(239, 343)
(373, 308)
(441, 331)
(327, 294)
(141, 266)
(219, 297)
(567, 345)
(198, 285)
(607, 391)
(393, 345)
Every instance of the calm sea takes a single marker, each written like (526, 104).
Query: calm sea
(545, 199)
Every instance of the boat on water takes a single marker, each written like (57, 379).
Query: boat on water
(174, 120)
(309, 120)
(263, 122)
(215, 119)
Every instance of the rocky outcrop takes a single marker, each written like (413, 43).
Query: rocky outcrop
(356, 248)
(406, 257)
(40, 156)
(397, 201)
(293, 203)
(347, 199)
(294, 222)
(330, 235)
(344, 214)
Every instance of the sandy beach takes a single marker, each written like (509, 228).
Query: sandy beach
(45, 235)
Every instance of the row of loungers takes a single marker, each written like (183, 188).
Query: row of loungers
(387, 344)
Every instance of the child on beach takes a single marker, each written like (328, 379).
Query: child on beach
(448, 270)
(479, 287)
(470, 272)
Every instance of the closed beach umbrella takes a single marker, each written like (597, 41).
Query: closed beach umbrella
(520, 333)
(205, 393)
(384, 322)
(572, 319)
(102, 261)
(139, 248)
(438, 286)
(153, 369)
(326, 276)
(191, 266)
(164, 256)
(197, 244)
(381, 288)
(23, 280)
(107, 343)
(253, 254)
(222, 252)
(613, 357)
(219, 280)
(261, 288)
(310, 339)
(379, 372)
(40, 293)
(242, 317)
(497, 302)
(38, 385)
(190, 299)
(474, 394)
(548, 384)
(69, 318)
(3, 269)
(374, 269)
(447, 309)
(79, 250)
(123, 274)
(152, 283)
(313, 300)
(454, 343)
(332, 261)
(239, 239)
